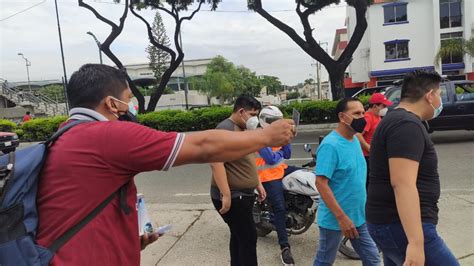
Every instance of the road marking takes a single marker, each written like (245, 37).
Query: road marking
(191, 194)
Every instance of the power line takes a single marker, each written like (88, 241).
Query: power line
(232, 11)
(24, 10)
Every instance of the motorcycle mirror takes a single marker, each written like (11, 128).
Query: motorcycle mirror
(307, 147)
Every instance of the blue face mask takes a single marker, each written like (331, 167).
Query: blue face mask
(131, 108)
(439, 109)
(131, 113)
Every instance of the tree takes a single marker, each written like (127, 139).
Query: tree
(273, 84)
(305, 8)
(454, 47)
(176, 57)
(248, 82)
(220, 79)
(308, 81)
(54, 92)
(158, 58)
(105, 46)
(175, 7)
(293, 95)
(224, 80)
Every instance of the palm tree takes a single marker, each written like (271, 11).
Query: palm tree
(454, 47)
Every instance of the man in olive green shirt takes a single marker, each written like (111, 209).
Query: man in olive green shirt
(233, 185)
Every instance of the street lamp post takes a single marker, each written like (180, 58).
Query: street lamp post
(98, 45)
(62, 56)
(28, 64)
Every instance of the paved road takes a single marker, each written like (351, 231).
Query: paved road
(190, 184)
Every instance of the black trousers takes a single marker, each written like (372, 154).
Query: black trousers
(243, 235)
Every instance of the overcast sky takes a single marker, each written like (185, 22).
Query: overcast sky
(244, 38)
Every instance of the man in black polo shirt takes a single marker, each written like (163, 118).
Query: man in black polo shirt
(404, 185)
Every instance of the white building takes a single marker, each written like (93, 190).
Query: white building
(142, 73)
(405, 35)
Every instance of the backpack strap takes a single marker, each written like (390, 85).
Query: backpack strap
(64, 238)
(62, 130)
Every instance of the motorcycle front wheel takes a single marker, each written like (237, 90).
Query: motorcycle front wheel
(262, 232)
(347, 250)
(305, 228)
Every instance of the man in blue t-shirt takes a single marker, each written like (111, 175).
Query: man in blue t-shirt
(340, 178)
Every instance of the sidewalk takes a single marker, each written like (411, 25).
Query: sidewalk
(200, 237)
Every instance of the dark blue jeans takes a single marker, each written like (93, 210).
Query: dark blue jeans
(391, 239)
(276, 198)
(329, 241)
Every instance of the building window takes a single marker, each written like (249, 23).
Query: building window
(395, 13)
(396, 50)
(450, 13)
(452, 39)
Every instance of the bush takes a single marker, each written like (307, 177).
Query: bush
(19, 132)
(7, 125)
(41, 129)
(312, 112)
(183, 121)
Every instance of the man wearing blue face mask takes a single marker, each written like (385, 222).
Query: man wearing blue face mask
(128, 115)
(404, 186)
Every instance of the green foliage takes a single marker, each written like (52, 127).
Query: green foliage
(19, 132)
(159, 58)
(225, 81)
(470, 47)
(179, 4)
(454, 47)
(7, 125)
(183, 121)
(273, 84)
(312, 112)
(54, 92)
(293, 95)
(40, 129)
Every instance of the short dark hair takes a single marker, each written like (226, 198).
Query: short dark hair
(247, 102)
(342, 104)
(92, 83)
(28, 112)
(417, 84)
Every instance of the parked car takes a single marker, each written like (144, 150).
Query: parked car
(458, 105)
(8, 142)
(370, 91)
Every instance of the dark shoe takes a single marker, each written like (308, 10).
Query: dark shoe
(286, 257)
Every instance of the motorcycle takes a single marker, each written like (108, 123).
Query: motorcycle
(301, 203)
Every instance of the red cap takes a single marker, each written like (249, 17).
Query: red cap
(378, 98)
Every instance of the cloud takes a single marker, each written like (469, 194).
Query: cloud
(245, 38)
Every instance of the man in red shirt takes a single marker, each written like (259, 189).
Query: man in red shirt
(377, 107)
(93, 160)
(26, 117)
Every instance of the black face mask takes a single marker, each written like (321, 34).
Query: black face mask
(358, 124)
(128, 117)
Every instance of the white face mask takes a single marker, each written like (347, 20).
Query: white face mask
(383, 112)
(252, 123)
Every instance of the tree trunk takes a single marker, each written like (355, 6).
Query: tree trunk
(337, 84)
(155, 97)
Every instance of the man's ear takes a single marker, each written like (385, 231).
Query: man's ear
(110, 104)
(340, 116)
